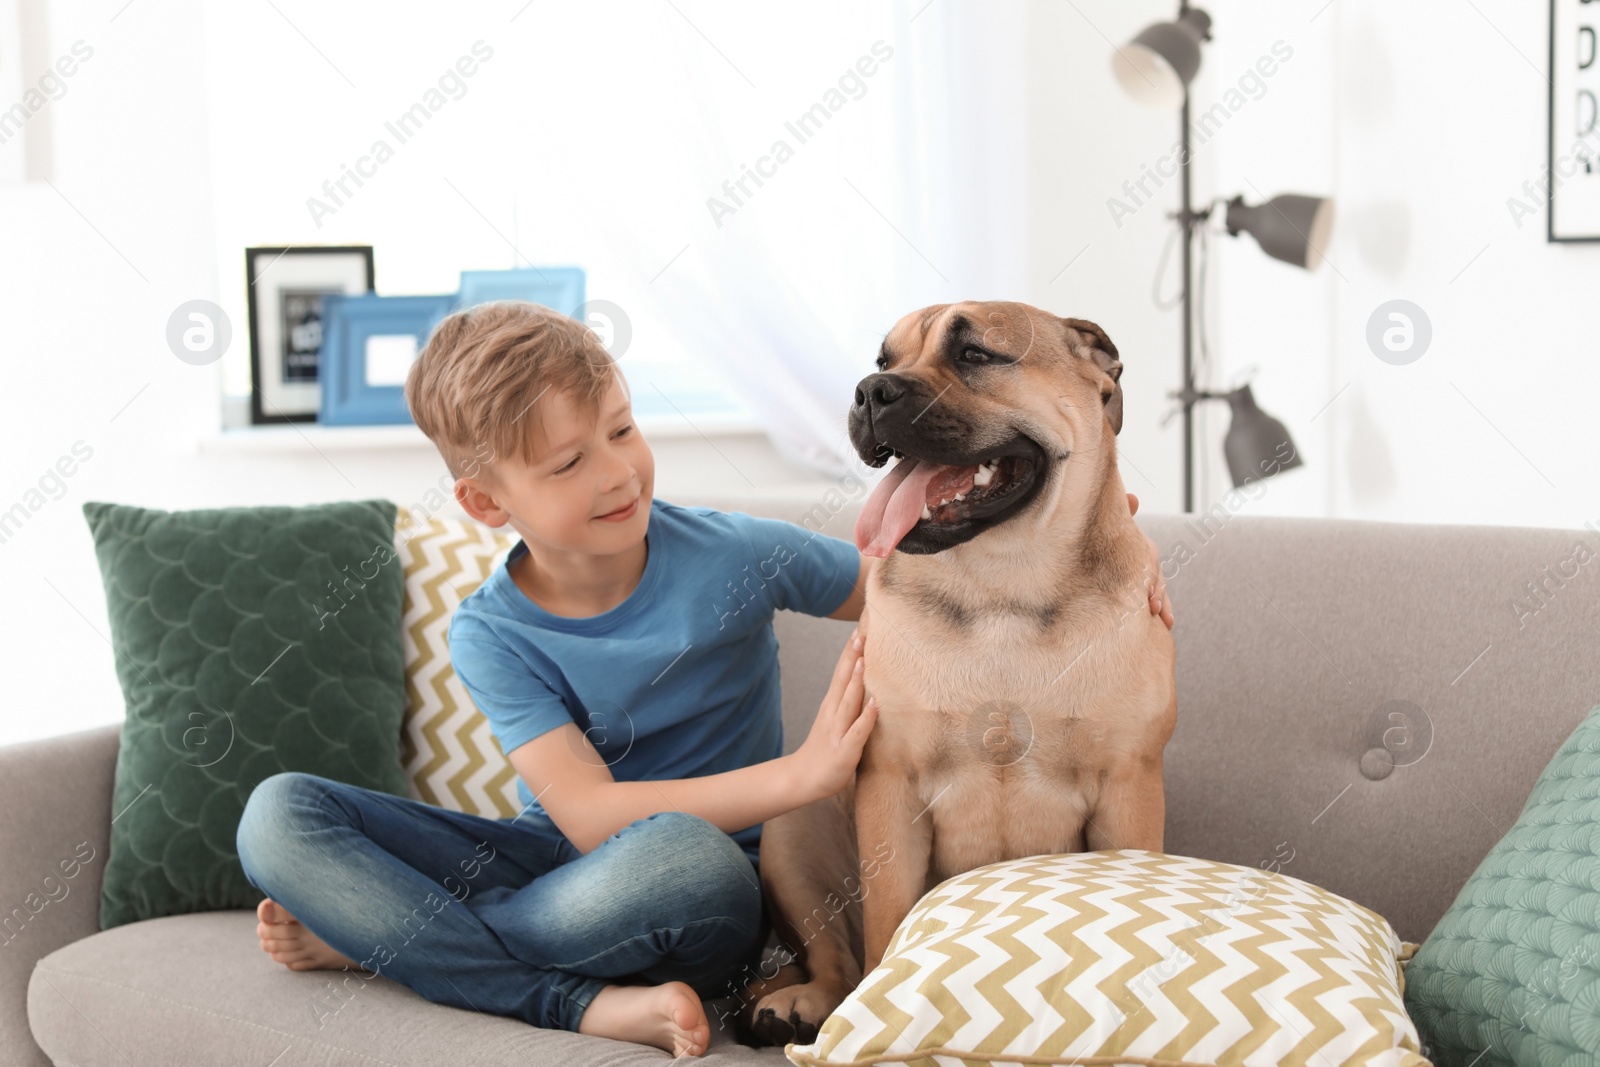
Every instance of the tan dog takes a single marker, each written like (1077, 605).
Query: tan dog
(1025, 692)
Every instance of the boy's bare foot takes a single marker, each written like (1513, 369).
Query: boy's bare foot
(287, 941)
(668, 1016)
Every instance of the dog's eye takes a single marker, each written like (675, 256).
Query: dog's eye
(880, 362)
(973, 355)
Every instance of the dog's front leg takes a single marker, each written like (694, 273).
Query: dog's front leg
(894, 838)
(1132, 809)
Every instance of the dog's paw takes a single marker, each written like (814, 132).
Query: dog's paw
(794, 1014)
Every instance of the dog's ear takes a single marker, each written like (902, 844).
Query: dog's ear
(1086, 339)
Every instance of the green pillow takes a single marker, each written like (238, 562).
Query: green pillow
(1511, 972)
(248, 641)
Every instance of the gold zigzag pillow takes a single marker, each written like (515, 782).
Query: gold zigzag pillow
(450, 757)
(1128, 957)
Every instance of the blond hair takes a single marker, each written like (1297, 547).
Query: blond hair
(473, 388)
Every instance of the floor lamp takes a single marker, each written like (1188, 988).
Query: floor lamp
(1156, 68)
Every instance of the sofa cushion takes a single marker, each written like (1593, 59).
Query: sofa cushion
(197, 990)
(1127, 956)
(451, 758)
(248, 641)
(1511, 973)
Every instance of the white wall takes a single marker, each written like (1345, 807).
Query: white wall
(193, 130)
(1091, 141)
(1086, 138)
(200, 127)
(1268, 322)
(1422, 125)
(1421, 129)
(1497, 427)
(89, 269)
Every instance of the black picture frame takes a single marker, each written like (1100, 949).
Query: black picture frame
(361, 272)
(1568, 233)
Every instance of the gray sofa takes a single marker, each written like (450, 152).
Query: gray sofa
(1361, 705)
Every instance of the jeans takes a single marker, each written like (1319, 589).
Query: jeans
(504, 916)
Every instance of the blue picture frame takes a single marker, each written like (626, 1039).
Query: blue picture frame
(369, 326)
(557, 288)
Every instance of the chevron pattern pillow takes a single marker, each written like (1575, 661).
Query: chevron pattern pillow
(1128, 956)
(450, 757)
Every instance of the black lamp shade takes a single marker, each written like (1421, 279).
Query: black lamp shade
(1157, 66)
(1290, 227)
(1257, 445)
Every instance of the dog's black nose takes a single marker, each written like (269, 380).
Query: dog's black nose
(879, 390)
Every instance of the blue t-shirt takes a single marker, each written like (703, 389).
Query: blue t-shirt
(679, 680)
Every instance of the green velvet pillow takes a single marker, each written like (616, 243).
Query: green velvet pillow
(1511, 973)
(248, 641)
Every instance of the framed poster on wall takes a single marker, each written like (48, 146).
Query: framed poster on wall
(1574, 124)
(285, 287)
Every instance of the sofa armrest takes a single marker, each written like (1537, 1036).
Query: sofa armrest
(55, 830)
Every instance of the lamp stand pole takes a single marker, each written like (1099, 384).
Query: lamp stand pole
(1253, 422)
(1185, 219)
(1188, 218)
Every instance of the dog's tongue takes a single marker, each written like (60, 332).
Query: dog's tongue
(894, 506)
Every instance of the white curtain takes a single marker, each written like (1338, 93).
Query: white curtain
(912, 192)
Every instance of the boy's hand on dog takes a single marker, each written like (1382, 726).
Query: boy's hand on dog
(828, 758)
(1159, 602)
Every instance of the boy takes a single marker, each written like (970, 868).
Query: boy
(625, 659)
(628, 668)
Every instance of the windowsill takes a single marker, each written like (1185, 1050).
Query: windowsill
(311, 437)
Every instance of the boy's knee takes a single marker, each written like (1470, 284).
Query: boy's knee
(717, 863)
(696, 835)
(273, 809)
